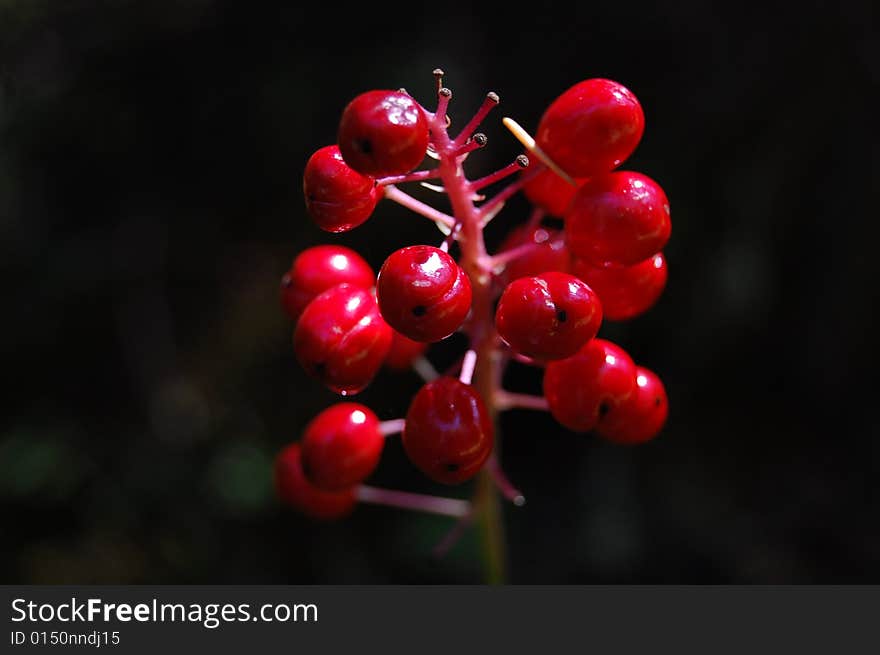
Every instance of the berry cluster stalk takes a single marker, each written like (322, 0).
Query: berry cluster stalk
(481, 329)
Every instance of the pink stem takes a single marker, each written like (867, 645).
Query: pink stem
(452, 537)
(476, 142)
(513, 167)
(505, 400)
(468, 365)
(506, 192)
(416, 502)
(535, 218)
(403, 198)
(415, 176)
(444, 95)
(394, 426)
(503, 483)
(489, 103)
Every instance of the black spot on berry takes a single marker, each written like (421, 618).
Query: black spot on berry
(364, 145)
(452, 467)
(561, 316)
(657, 401)
(419, 310)
(604, 408)
(319, 369)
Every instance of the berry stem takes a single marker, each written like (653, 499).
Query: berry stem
(415, 176)
(519, 164)
(505, 486)
(490, 102)
(505, 400)
(403, 198)
(481, 330)
(394, 426)
(417, 502)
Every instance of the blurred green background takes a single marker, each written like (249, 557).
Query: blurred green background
(151, 156)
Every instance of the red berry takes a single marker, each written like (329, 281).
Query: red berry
(590, 388)
(625, 291)
(448, 433)
(642, 417)
(341, 339)
(341, 446)
(550, 192)
(423, 293)
(319, 268)
(619, 218)
(383, 133)
(404, 351)
(549, 252)
(549, 316)
(338, 198)
(592, 127)
(295, 490)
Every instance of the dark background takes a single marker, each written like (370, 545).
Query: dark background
(151, 156)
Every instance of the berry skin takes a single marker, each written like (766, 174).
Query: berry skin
(550, 192)
(642, 417)
(590, 388)
(448, 433)
(549, 253)
(319, 268)
(383, 133)
(592, 127)
(625, 291)
(295, 490)
(548, 316)
(404, 351)
(338, 198)
(341, 446)
(423, 293)
(621, 218)
(341, 339)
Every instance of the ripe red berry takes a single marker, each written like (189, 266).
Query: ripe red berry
(642, 417)
(404, 351)
(625, 291)
(319, 268)
(592, 127)
(338, 198)
(620, 218)
(295, 490)
(341, 339)
(448, 432)
(383, 133)
(550, 192)
(548, 316)
(591, 387)
(549, 252)
(423, 293)
(341, 446)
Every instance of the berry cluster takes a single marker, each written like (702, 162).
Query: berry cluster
(541, 299)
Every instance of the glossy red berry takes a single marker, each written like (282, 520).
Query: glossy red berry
(592, 127)
(423, 293)
(295, 490)
(383, 133)
(448, 432)
(319, 268)
(404, 351)
(591, 387)
(625, 291)
(549, 252)
(548, 316)
(338, 198)
(642, 417)
(620, 218)
(341, 446)
(341, 339)
(550, 192)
